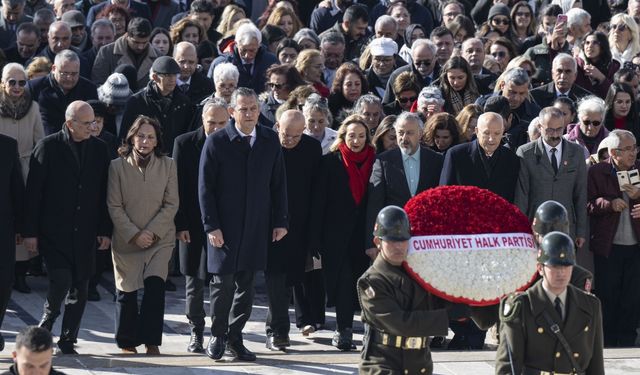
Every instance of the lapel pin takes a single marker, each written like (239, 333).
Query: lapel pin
(565, 163)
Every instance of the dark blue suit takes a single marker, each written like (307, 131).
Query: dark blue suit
(243, 192)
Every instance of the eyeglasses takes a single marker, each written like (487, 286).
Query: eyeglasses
(554, 130)
(422, 62)
(499, 21)
(86, 123)
(501, 54)
(595, 124)
(12, 82)
(276, 86)
(631, 65)
(633, 149)
(619, 27)
(69, 74)
(404, 100)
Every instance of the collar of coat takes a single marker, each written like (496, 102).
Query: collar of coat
(233, 133)
(578, 311)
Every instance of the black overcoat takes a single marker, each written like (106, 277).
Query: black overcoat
(11, 203)
(66, 207)
(303, 168)
(242, 192)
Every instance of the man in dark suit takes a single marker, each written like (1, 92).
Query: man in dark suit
(12, 16)
(563, 73)
(472, 50)
(11, 201)
(191, 81)
(66, 215)
(286, 259)
(136, 9)
(401, 173)
(243, 199)
(189, 229)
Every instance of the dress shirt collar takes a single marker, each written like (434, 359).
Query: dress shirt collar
(552, 297)
(414, 156)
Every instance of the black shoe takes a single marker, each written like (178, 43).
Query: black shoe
(195, 343)
(278, 342)
(1, 343)
(66, 347)
(437, 342)
(343, 340)
(459, 342)
(169, 286)
(216, 346)
(240, 352)
(47, 322)
(20, 284)
(93, 295)
(35, 268)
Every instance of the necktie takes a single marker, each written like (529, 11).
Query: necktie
(184, 87)
(554, 160)
(248, 67)
(247, 139)
(558, 307)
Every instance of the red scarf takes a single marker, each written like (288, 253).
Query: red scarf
(358, 176)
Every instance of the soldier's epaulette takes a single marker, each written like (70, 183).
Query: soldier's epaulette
(510, 306)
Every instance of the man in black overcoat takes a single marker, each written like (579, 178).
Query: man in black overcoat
(286, 259)
(189, 229)
(66, 215)
(11, 201)
(243, 198)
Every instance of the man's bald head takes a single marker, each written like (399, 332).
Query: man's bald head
(290, 127)
(184, 47)
(76, 107)
(187, 57)
(489, 131)
(80, 120)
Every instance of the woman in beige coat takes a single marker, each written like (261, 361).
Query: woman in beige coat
(20, 119)
(142, 197)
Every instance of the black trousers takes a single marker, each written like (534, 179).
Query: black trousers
(279, 294)
(618, 287)
(140, 326)
(103, 263)
(62, 285)
(194, 307)
(6, 283)
(346, 296)
(231, 302)
(21, 268)
(309, 299)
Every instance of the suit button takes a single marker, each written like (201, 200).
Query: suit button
(75, 229)
(586, 329)
(557, 354)
(423, 370)
(406, 371)
(540, 330)
(576, 355)
(78, 208)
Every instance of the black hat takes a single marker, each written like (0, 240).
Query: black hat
(550, 216)
(271, 34)
(74, 18)
(99, 108)
(206, 49)
(392, 224)
(557, 249)
(165, 65)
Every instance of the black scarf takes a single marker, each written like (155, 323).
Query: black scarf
(156, 98)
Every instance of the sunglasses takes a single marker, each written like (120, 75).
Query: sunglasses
(12, 82)
(276, 86)
(594, 123)
(498, 21)
(618, 27)
(630, 65)
(501, 54)
(404, 100)
(422, 62)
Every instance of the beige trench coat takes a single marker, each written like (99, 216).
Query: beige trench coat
(142, 199)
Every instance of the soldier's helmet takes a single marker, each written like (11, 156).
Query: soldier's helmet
(557, 249)
(551, 216)
(392, 224)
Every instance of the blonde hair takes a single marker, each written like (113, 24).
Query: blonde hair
(634, 43)
(227, 15)
(39, 65)
(304, 59)
(278, 13)
(342, 131)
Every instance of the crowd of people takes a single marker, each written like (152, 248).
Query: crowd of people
(225, 137)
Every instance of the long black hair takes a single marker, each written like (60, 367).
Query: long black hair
(632, 118)
(605, 48)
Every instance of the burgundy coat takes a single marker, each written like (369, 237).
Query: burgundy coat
(602, 188)
(601, 88)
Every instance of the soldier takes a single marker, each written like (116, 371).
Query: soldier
(553, 327)
(395, 308)
(552, 216)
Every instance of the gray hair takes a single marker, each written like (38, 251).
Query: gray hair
(424, 42)
(12, 66)
(430, 94)
(533, 127)
(591, 104)
(408, 116)
(332, 37)
(64, 56)
(306, 33)
(225, 72)
(214, 102)
(562, 57)
(385, 20)
(616, 136)
(102, 22)
(366, 99)
(248, 32)
(316, 103)
(14, 3)
(577, 16)
(58, 24)
(44, 15)
(517, 76)
(241, 91)
(548, 113)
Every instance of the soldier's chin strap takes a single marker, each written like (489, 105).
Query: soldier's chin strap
(555, 328)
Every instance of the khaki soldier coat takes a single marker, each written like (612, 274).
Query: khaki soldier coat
(142, 199)
(394, 303)
(534, 346)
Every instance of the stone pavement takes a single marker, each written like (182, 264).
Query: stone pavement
(313, 355)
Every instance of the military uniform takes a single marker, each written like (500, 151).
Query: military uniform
(396, 310)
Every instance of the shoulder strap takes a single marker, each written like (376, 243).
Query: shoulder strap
(563, 341)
